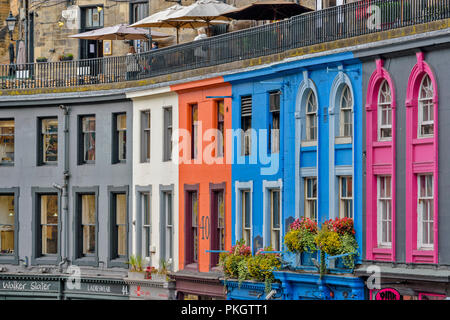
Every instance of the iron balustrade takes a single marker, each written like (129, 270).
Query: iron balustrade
(341, 22)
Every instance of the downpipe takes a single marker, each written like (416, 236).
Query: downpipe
(65, 187)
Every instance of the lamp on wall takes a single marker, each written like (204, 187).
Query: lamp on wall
(99, 8)
(11, 23)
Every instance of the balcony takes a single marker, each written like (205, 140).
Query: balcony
(338, 23)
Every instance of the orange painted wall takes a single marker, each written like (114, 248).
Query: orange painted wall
(203, 174)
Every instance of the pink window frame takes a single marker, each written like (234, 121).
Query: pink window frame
(427, 164)
(376, 166)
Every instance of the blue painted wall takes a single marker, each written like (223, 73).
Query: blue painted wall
(288, 78)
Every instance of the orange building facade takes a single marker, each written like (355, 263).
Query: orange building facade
(204, 174)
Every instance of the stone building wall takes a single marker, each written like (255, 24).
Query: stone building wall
(51, 29)
(5, 7)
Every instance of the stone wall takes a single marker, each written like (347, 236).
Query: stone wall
(5, 7)
(51, 38)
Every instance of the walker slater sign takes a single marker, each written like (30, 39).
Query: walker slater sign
(31, 286)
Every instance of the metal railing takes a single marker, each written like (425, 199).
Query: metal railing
(341, 22)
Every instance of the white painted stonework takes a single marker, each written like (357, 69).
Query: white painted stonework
(156, 172)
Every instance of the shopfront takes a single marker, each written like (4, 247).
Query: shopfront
(16, 287)
(191, 285)
(401, 283)
(157, 288)
(61, 287)
(96, 289)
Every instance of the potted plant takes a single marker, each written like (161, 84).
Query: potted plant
(261, 266)
(328, 242)
(41, 59)
(229, 261)
(136, 270)
(344, 227)
(300, 239)
(66, 57)
(239, 264)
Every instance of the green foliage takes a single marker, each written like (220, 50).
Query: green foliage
(300, 241)
(237, 264)
(348, 245)
(300, 237)
(328, 241)
(136, 263)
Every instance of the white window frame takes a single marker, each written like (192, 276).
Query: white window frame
(421, 200)
(345, 199)
(425, 102)
(384, 107)
(346, 107)
(311, 116)
(384, 202)
(310, 201)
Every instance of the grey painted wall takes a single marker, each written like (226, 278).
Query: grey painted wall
(399, 67)
(25, 174)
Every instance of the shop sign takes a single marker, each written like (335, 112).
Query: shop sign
(99, 288)
(387, 294)
(34, 286)
(143, 292)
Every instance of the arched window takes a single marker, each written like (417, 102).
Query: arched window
(346, 119)
(384, 112)
(311, 116)
(425, 108)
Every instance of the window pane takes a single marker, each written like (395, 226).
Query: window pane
(122, 145)
(49, 239)
(88, 239)
(169, 208)
(121, 240)
(275, 209)
(89, 146)
(121, 122)
(7, 214)
(88, 209)
(49, 209)
(121, 209)
(247, 209)
(146, 208)
(194, 201)
(6, 141)
(50, 140)
(89, 138)
(221, 220)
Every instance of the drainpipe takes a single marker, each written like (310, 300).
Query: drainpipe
(66, 177)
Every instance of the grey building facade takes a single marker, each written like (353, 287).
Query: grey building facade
(66, 188)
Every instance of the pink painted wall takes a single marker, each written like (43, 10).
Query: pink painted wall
(421, 157)
(380, 161)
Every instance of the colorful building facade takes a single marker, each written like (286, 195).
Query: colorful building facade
(204, 185)
(405, 178)
(179, 168)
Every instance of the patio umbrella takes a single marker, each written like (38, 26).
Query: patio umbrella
(118, 32)
(163, 19)
(21, 54)
(267, 10)
(209, 12)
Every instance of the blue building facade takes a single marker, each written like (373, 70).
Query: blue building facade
(318, 169)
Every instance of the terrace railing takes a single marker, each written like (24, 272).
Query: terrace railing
(341, 22)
